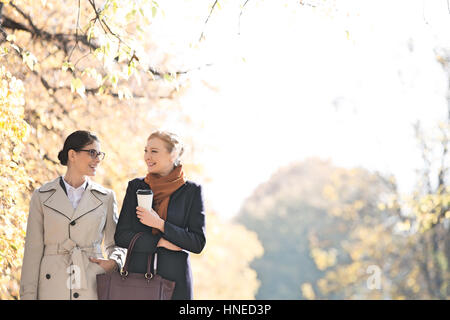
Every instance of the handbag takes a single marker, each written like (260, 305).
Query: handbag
(121, 285)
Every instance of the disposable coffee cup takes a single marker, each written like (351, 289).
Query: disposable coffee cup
(145, 198)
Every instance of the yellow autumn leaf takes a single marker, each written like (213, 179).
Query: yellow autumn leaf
(308, 291)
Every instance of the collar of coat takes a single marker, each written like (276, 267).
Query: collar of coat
(59, 201)
(54, 184)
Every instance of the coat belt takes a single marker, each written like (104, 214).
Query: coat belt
(71, 248)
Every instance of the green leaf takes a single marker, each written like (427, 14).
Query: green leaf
(130, 70)
(78, 87)
(15, 47)
(91, 72)
(168, 77)
(11, 38)
(131, 15)
(3, 50)
(90, 32)
(99, 53)
(101, 90)
(67, 65)
(114, 80)
(115, 7)
(29, 59)
(154, 10)
(123, 55)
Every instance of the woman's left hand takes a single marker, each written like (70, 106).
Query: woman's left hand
(108, 265)
(149, 218)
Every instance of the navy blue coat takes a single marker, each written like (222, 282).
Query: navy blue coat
(184, 227)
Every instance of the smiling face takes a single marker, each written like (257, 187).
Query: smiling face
(158, 159)
(82, 162)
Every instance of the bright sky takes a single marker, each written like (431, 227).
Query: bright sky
(299, 82)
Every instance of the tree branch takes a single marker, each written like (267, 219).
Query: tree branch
(62, 42)
(11, 24)
(210, 13)
(240, 14)
(76, 30)
(61, 38)
(27, 17)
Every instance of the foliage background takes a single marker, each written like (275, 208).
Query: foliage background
(311, 231)
(63, 70)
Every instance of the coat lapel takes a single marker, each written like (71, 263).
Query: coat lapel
(58, 200)
(89, 201)
(177, 192)
(172, 209)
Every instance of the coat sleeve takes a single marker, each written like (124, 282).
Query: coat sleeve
(113, 252)
(193, 238)
(125, 232)
(33, 251)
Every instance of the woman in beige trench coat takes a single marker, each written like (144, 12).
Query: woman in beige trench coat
(69, 218)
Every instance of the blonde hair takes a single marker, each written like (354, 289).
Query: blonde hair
(172, 141)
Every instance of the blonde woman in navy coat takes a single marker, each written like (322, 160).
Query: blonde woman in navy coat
(175, 226)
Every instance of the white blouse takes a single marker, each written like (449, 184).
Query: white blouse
(75, 194)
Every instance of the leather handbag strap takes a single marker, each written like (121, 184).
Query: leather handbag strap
(155, 263)
(148, 275)
(130, 249)
(149, 263)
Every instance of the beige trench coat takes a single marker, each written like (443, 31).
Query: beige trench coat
(60, 240)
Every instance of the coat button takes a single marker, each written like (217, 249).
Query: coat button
(47, 276)
(73, 223)
(76, 295)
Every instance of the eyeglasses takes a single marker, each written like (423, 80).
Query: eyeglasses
(94, 154)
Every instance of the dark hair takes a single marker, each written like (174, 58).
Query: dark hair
(76, 140)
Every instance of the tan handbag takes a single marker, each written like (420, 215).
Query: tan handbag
(121, 285)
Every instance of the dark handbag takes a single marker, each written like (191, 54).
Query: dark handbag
(122, 285)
